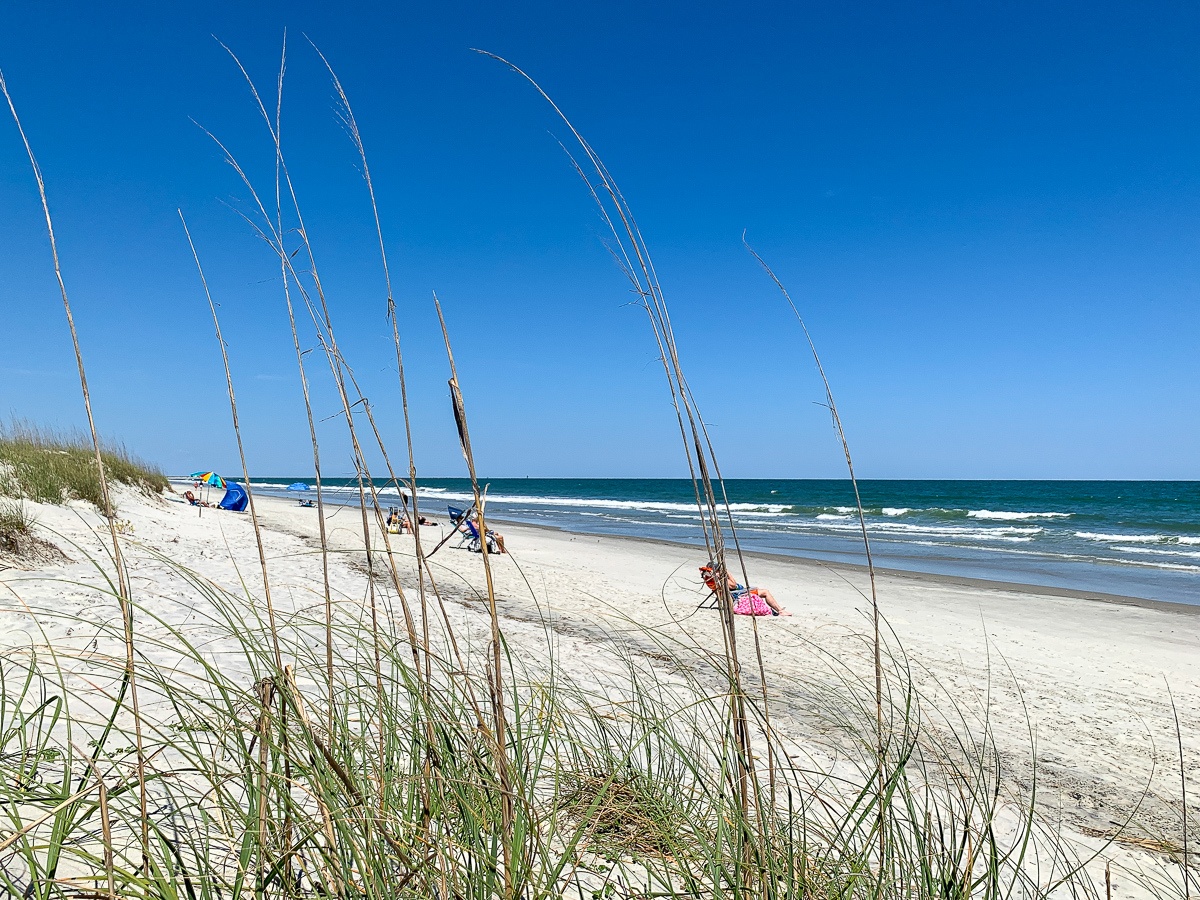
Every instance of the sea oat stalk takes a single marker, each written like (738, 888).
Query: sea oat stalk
(123, 588)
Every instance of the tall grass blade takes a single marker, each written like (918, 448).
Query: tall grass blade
(123, 592)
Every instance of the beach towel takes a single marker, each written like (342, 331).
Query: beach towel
(750, 604)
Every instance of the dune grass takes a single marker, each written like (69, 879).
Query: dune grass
(612, 788)
(49, 467)
(16, 524)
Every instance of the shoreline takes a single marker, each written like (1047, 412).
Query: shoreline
(964, 581)
(902, 575)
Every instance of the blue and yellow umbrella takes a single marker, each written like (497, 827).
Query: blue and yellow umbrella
(209, 478)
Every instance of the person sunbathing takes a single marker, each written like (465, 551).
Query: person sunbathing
(191, 499)
(402, 524)
(738, 590)
(494, 537)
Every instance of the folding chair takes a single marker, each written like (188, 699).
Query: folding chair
(458, 521)
(475, 545)
(710, 601)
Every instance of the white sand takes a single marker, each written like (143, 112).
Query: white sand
(1086, 678)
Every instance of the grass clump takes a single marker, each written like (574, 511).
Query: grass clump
(52, 468)
(16, 525)
(626, 812)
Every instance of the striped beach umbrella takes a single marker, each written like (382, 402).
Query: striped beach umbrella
(209, 478)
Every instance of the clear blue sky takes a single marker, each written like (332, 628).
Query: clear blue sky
(989, 213)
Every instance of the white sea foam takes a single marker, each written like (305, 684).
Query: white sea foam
(1160, 551)
(1175, 567)
(828, 517)
(765, 509)
(1123, 538)
(983, 548)
(998, 531)
(896, 511)
(899, 529)
(1014, 516)
(1167, 540)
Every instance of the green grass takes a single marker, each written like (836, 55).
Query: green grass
(263, 784)
(16, 524)
(47, 467)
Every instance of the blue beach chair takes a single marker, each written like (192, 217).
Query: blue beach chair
(458, 520)
(475, 545)
(469, 531)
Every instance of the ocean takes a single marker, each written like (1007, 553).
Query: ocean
(1132, 538)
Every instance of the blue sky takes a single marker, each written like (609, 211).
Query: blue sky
(989, 214)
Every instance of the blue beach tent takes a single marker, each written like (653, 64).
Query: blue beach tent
(235, 497)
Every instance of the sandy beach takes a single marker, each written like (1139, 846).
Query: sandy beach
(1079, 684)
(1082, 678)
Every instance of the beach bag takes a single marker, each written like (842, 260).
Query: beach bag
(750, 604)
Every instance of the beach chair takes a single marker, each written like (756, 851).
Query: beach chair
(476, 545)
(458, 520)
(745, 601)
(712, 598)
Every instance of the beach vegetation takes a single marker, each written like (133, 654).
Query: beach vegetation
(619, 788)
(52, 467)
(16, 525)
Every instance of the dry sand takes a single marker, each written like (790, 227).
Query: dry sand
(1081, 681)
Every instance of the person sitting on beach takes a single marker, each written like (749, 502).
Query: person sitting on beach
(494, 536)
(737, 590)
(404, 524)
(191, 499)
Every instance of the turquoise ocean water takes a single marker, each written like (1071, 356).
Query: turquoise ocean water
(1133, 538)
